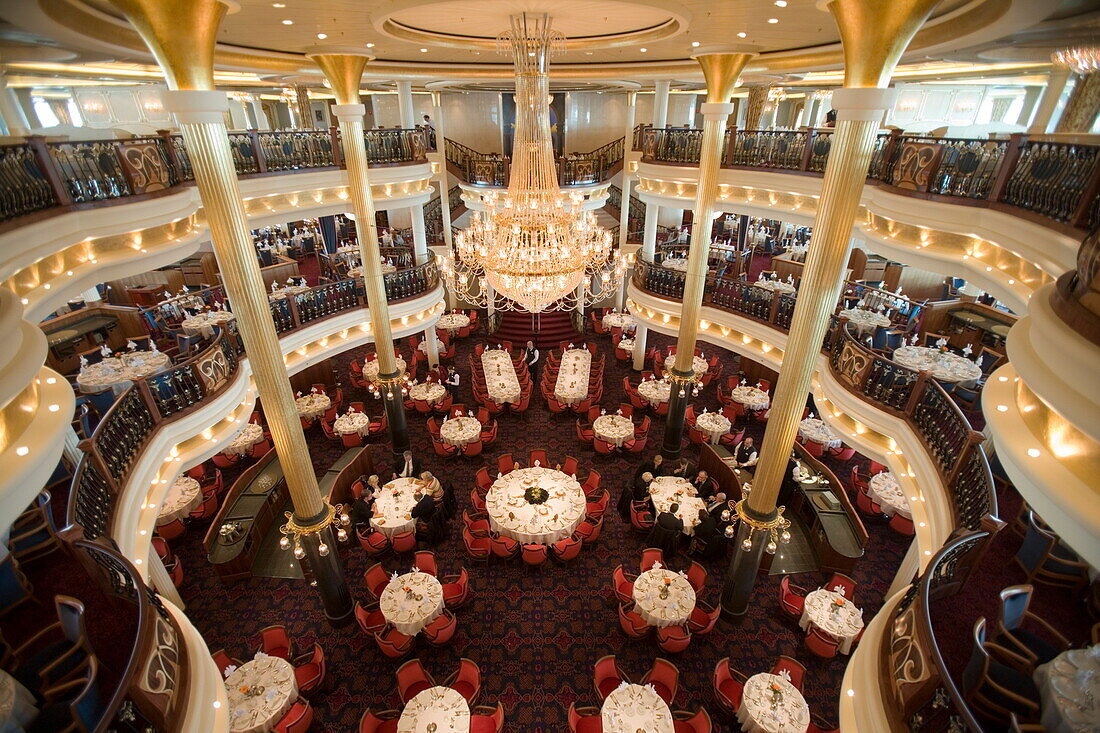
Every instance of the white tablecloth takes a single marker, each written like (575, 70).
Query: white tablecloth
(714, 424)
(698, 364)
(441, 706)
(865, 320)
(618, 320)
(313, 405)
(1069, 689)
(17, 705)
(204, 322)
(143, 363)
(654, 391)
(664, 491)
(888, 494)
(252, 710)
(512, 515)
(791, 714)
(626, 344)
(393, 505)
(412, 601)
(780, 286)
(680, 264)
(280, 293)
(816, 430)
(460, 431)
(501, 381)
(453, 321)
(430, 392)
(842, 622)
(571, 385)
(750, 397)
(183, 497)
(944, 366)
(613, 429)
(370, 367)
(351, 422)
(384, 267)
(439, 345)
(633, 708)
(117, 372)
(249, 436)
(673, 608)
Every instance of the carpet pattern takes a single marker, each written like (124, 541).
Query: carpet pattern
(535, 633)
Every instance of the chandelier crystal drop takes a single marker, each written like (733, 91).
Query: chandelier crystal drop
(533, 246)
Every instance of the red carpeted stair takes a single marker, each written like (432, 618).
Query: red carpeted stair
(546, 329)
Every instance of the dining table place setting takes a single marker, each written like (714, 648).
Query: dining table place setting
(663, 597)
(888, 494)
(771, 704)
(817, 431)
(713, 424)
(260, 693)
(371, 367)
(835, 615)
(571, 385)
(312, 404)
(699, 364)
(655, 391)
(501, 380)
(430, 392)
(613, 428)
(435, 710)
(753, 398)
(632, 708)
(453, 322)
(351, 422)
(251, 434)
(411, 601)
(618, 319)
(460, 431)
(943, 365)
(535, 505)
(393, 505)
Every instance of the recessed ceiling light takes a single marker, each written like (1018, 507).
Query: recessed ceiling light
(773, 20)
(370, 45)
(423, 50)
(322, 36)
(695, 44)
(742, 34)
(288, 22)
(278, 5)
(643, 50)
(780, 3)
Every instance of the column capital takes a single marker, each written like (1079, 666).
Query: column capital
(343, 67)
(721, 70)
(716, 110)
(349, 111)
(196, 106)
(181, 34)
(874, 34)
(863, 103)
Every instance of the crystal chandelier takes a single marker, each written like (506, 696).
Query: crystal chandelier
(533, 246)
(1079, 60)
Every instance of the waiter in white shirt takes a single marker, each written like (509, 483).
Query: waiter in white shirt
(744, 454)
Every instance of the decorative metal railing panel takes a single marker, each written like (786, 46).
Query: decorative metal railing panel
(90, 171)
(968, 168)
(766, 149)
(123, 431)
(287, 151)
(24, 188)
(326, 300)
(1052, 178)
(91, 501)
(395, 146)
(971, 488)
(944, 429)
(245, 159)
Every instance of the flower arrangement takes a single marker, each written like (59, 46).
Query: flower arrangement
(776, 693)
(535, 495)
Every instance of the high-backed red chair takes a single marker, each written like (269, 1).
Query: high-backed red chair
(309, 670)
(440, 631)
(466, 680)
(820, 643)
(504, 547)
(456, 589)
(665, 678)
(703, 618)
(570, 466)
(297, 720)
(817, 450)
(673, 639)
(633, 625)
(534, 554)
(424, 560)
(487, 719)
(275, 642)
(383, 722)
(538, 456)
(843, 585)
(403, 542)
(370, 618)
(902, 525)
(477, 548)
(376, 579)
(393, 643)
(412, 679)
(697, 576)
(623, 585)
(792, 598)
(591, 483)
(171, 530)
(223, 661)
(505, 464)
(584, 720)
(567, 549)
(729, 687)
(606, 676)
(651, 555)
(795, 670)
(688, 722)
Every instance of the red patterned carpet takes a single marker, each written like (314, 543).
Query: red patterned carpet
(535, 632)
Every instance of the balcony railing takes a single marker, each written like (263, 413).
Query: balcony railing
(45, 178)
(575, 169)
(156, 400)
(1056, 182)
(913, 396)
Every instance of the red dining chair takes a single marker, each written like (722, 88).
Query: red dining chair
(585, 434)
(673, 639)
(226, 460)
(632, 623)
(275, 642)
(697, 576)
(466, 680)
(393, 643)
(589, 530)
(503, 547)
(487, 719)
(424, 561)
(477, 501)
(403, 542)
(875, 467)
(370, 618)
(597, 508)
(473, 449)
(623, 585)
(171, 530)
(792, 598)
(842, 453)
(818, 725)
(534, 554)
(651, 555)
(687, 722)
(817, 450)
(373, 542)
(665, 678)
(412, 679)
(567, 549)
(820, 643)
(224, 661)
(376, 579)
(843, 585)
(729, 687)
(478, 548)
(383, 722)
(309, 670)
(867, 505)
(482, 479)
(570, 466)
(440, 631)
(902, 525)
(584, 720)
(703, 618)
(606, 676)
(795, 670)
(505, 464)
(591, 483)
(538, 456)
(297, 720)
(456, 589)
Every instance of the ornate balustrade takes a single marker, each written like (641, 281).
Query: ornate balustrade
(913, 396)
(636, 215)
(492, 169)
(151, 693)
(1057, 183)
(46, 178)
(169, 395)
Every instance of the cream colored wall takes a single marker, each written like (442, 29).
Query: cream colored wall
(473, 119)
(593, 119)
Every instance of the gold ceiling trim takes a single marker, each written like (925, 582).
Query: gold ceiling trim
(83, 20)
(660, 32)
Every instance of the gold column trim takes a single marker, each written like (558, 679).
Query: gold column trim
(874, 34)
(344, 71)
(721, 71)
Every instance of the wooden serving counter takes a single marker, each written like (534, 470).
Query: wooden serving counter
(254, 502)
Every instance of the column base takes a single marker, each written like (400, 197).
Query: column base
(327, 574)
(741, 576)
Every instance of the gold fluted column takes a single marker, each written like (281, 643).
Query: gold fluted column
(754, 109)
(721, 71)
(874, 35)
(344, 69)
(181, 34)
(305, 110)
(1082, 106)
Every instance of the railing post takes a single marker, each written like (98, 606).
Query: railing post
(731, 143)
(1084, 206)
(807, 151)
(170, 152)
(888, 155)
(147, 397)
(292, 305)
(918, 391)
(973, 438)
(257, 151)
(127, 174)
(91, 453)
(773, 307)
(1008, 165)
(337, 150)
(45, 161)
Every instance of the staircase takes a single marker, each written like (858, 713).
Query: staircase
(546, 329)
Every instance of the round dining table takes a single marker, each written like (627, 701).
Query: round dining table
(777, 286)
(439, 345)
(635, 708)
(680, 264)
(281, 293)
(351, 422)
(654, 391)
(18, 706)
(249, 436)
(260, 694)
(453, 322)
(618, 320)
(751, 397)
(313, 405)
(865, 319)
(664, 491)
(699, 365)
(430, 392)
(614, 428)
(393, 505)
(771, 704)
(184, 496)
(714, 425)
(1069, 691)
(535, 505)
(888, 494)
(815, 430)
(370, 367)
(204, 323)
(435, 710)
(663, 598)
(835, 615)
(460, 431)
(943, 365)
(626, 343)
(411, 601)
